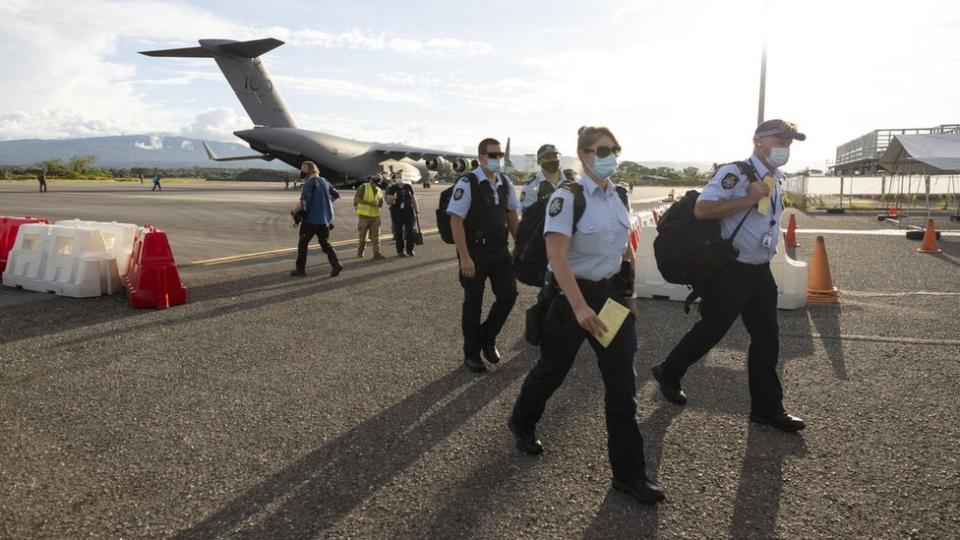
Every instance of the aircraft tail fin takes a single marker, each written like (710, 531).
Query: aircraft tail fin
(247, 75)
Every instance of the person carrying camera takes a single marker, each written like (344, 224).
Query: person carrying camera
(315, 208)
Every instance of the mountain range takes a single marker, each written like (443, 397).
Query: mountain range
(125, 151)
(169, 151)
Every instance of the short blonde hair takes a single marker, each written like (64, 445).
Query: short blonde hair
(311, 167)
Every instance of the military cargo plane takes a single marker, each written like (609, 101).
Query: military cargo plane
(275, 135)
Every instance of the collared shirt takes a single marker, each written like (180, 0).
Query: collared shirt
(729, 184)
(531, 192)
(459, 203)
(318, 195)
(598, 243)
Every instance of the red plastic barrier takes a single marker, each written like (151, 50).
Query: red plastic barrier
(8, 234)
(635, 235)
(152, 279)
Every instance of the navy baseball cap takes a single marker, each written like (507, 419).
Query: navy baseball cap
(779, 129)
(546, 150)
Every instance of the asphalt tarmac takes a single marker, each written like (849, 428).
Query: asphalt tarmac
(277, 407)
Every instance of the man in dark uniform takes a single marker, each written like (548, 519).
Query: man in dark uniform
(42, 178)
(746, 287)
(403, 214)
(483, 210)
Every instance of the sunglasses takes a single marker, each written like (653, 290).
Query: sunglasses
(495, 155)
(604, 151)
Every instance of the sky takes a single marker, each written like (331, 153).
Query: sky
(675, 81)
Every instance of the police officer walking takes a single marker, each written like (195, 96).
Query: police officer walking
(483, 210)
(367, 200)
(42, 178)
(316, 198)
(403, 213)
(548, 178)
(746, 287)
(586, 259)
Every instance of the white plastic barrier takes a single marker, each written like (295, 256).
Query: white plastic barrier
(117, 237)
(66, 260)
(647, 282)
(790, 275)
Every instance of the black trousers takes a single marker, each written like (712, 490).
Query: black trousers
(156, 186)
(307, 232)
(43, 187)
(402, 221)
(562, 339)
(748, 291)
(496, 265)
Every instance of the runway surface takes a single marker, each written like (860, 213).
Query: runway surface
(275, 407)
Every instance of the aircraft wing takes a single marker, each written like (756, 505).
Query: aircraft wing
(214, 157)
(400, 151)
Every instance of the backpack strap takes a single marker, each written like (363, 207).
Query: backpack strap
(624, 197)
(747, 169)
(579, 200)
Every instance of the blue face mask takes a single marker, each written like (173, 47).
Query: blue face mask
(494, 165)
(606, 166)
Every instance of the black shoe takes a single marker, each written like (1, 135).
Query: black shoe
(401, 254)
(298, 273)
(670, 390)
(526, 441)
(783, 421)
(474, 363)
(642, 490)
(491, 353)
(337, 268)
(410, 254)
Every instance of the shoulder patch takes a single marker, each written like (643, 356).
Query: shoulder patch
(556, 206)
(458, 194)
(729, 181)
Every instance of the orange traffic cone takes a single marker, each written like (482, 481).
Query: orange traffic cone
(791, 236)
(930, 244)
(820, 287)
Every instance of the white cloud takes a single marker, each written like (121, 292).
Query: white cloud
(186, 145)
(216, 124)
(156, 143)
(365, 40)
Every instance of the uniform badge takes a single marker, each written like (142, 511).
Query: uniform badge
(556, 206)
(458, 194)
(729, 181)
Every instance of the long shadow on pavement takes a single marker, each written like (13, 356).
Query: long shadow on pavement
(825, 319)
(311, 494)
(761, 481)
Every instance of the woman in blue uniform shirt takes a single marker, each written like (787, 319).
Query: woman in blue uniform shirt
(585, 259)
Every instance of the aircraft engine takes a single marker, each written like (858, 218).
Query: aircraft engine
(462, 165)
(436, 164)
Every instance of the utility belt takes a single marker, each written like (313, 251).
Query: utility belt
(474, 239)
(552, 312)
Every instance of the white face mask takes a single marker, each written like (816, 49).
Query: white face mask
(494, 165)
(779, 156)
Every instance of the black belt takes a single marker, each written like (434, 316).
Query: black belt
(486, 242)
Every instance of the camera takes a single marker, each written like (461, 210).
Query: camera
(299, 217)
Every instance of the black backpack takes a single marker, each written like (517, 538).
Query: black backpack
(689, 250)
(530, 253)
(443, 218)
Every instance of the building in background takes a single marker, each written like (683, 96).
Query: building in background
(862, 155)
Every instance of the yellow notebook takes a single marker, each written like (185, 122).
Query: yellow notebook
(613, 314)
(763, 206)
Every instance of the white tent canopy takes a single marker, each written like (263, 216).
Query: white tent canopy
(923, 154)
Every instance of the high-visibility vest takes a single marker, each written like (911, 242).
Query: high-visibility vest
(371, 196)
